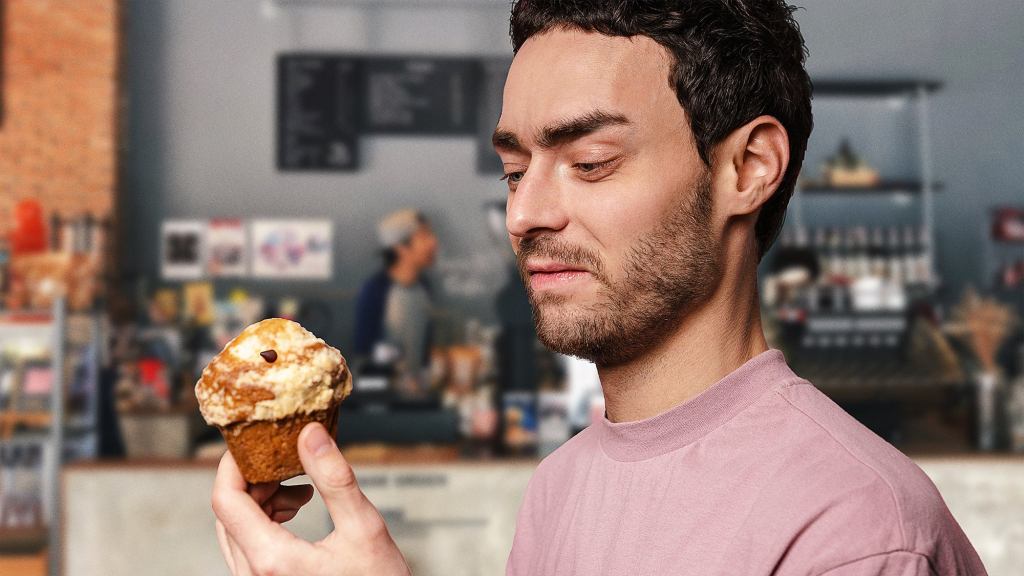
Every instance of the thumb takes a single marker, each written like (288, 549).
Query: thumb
(330, 472)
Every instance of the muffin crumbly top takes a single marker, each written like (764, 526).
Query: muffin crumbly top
(273, 369)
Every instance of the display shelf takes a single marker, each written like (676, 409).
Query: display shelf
(26, 318)
(883, 187)
(32, 418)
(60, 343)
(873, 87)
(919, 90)
(23, 564)
(22, 540)
(41, 419)
(912, 259)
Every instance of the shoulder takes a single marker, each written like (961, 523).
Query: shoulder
(850, 446)
(852, 481)
(553, 470)
(375, 284)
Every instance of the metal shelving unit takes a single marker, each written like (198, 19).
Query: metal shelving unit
(59, 433)
(919, 91)
(850, 370)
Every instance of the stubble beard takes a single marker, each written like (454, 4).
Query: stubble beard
(666, 273)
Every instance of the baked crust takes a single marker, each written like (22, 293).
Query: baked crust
(267, 451)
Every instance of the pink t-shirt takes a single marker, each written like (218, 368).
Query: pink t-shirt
(759, 474)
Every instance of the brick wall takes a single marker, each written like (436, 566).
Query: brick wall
(59, 98)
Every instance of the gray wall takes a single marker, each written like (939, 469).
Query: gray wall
(200, 127)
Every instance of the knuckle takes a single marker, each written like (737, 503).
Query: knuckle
(340, 478)
(373, 527)
(218, 504)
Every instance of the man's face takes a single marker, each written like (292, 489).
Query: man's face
(423, 246)
(609, 207)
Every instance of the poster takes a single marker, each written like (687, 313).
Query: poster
(199, 303)
(298, 249)
(227, 248)
(182, 249)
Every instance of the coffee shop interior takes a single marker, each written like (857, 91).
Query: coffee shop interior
(172, 171)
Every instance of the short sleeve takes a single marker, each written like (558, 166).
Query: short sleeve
(896, 563)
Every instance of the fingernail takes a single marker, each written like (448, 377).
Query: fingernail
(317, 441)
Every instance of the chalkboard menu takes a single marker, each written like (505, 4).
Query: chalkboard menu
(428, 96)
(492, 85)
(325, 102)
(317, 103)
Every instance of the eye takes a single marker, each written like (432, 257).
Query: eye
(513, 177)
(591, 170)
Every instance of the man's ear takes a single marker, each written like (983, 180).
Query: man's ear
(749, 165)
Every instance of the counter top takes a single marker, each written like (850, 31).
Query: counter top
(413, 458)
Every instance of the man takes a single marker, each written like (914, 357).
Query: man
(393, 307)
(650, 149)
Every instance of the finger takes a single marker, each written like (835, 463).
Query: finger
(289, 497)
(282, 516)
(237, 564)
(262, 542)
(225, 550)
(331, 473)
(241, 562)
(262, 491)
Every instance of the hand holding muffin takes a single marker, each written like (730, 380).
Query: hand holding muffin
(253, 544)
(273, 392)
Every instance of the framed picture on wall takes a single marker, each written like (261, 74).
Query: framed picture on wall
(227, 248)
(182, 249)
(292, 249)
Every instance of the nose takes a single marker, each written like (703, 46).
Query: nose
(536, 206)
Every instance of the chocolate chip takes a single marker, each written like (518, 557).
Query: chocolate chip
(269, 355)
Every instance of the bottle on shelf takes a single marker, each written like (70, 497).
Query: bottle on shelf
(1015, 406)
(863, 252)
(894, 257)
(923, 259)
(877, 253)
(800, 239)
(819, 244)
(910, 250)
(835, 255)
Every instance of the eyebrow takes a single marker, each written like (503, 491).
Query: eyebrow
(560, 132)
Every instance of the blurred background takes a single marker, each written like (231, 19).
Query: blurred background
(171, 171)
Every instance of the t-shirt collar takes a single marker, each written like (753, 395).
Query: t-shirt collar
(691, 420)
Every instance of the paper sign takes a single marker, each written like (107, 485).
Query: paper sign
(182, 245)
(292, 249)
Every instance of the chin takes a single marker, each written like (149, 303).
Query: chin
(575, 330)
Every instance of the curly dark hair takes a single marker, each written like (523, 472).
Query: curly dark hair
(734, 60)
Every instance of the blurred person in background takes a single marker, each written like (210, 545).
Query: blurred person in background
(393, 308)
(650, 150)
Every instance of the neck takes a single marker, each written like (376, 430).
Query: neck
(711, 341)
(404, 273)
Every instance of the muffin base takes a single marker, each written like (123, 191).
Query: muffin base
(267, 450)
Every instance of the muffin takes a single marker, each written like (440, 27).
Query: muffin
(264, 387)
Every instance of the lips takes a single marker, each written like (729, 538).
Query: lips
(551, 268)
(556, 276)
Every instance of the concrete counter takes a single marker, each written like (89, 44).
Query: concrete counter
(451, 518)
